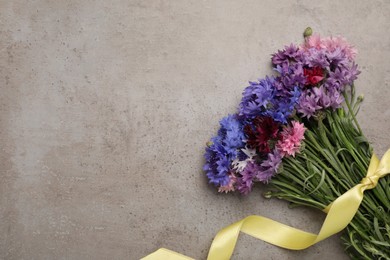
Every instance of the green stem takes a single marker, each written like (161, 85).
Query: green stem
(351, 111)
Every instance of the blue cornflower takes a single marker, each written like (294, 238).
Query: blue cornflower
(217, 164)
(232, 134)
(223, 150)
(257, 96)
(283, 107)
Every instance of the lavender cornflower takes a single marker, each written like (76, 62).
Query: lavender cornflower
(337, 58)
(245, 182)
(344, 75)
(290, 76)
(290, 54)
(269, 167)
(308, 104)
(315, 99)
(316, 58)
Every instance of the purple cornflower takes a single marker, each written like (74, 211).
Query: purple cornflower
(315, 99)
(316, 58)
(337, 58)
(245, 182)
(308, 103)
(269, 167)
(291, 76)
(290, 54)
(344, 75)
(336, 99)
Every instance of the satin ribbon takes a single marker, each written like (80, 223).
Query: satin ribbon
(339, 214)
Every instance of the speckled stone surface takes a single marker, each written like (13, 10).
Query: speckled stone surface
(105, 108)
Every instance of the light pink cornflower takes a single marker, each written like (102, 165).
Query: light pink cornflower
(291, 138)
(230, 186)
(334, 43)
(313, 41)
(330, 44)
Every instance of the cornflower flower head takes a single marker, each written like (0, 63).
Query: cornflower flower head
(291, 138)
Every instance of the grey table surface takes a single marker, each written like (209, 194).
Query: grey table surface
(105, 108)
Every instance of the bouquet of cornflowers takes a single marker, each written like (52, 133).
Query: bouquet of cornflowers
(297, 131)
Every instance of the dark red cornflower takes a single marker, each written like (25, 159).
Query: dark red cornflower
(313, 75)
(264, 130)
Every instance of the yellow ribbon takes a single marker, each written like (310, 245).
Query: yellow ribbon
(339, 213)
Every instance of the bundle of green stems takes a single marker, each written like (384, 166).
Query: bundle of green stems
(335, 157)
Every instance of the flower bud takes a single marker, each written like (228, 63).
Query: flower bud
(360, 98)
(320, 115)
(267, 195)
(209, 143)
(308, 32)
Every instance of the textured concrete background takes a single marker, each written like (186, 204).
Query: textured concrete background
(105, 107)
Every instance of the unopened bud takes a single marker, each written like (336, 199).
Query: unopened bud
(308, 32)
(360, 98)
(267, 195)
(320, 115)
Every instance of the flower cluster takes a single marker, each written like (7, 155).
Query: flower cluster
(321, 68)
(251, 144)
